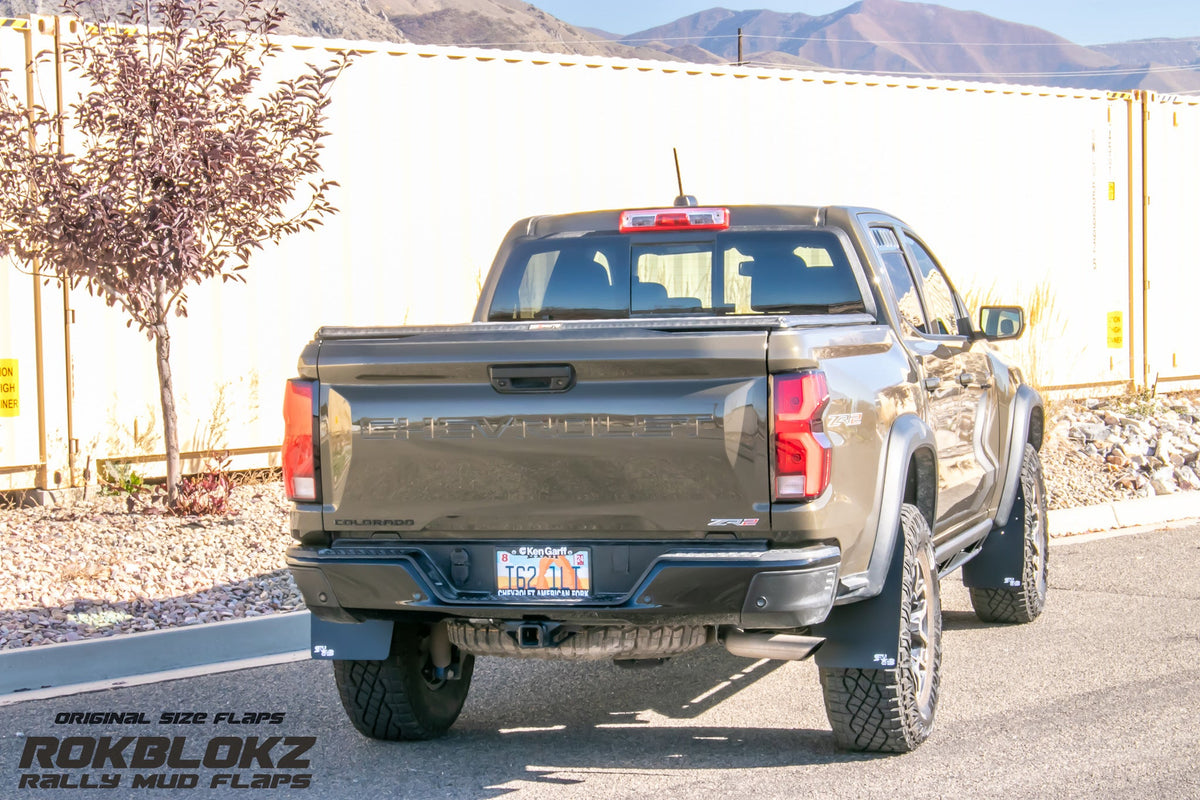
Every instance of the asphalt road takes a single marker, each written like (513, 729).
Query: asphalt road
(1098, 698)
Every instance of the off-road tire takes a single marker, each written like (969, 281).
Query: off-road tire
(1025, 602)
(892, 710)
(398, 698)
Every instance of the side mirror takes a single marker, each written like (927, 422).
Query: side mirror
(997, 323)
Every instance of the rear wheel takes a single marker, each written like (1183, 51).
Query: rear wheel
(1025, 602)
(891, 710)
(404, 696)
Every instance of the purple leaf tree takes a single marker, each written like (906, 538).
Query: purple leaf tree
(185, 163)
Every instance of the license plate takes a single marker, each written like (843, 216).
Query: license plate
(543, 572)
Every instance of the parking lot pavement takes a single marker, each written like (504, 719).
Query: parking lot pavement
(1097, 698)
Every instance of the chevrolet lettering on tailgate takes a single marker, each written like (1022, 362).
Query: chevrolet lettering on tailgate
(662, 425)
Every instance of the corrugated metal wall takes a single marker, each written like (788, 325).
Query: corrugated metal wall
(1027, 195)
(1172, 213)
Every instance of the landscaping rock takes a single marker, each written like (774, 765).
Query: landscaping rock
(1106, 449)
(94, 569)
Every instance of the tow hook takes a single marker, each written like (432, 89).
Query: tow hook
(530, 635)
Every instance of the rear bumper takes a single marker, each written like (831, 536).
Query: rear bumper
(634, 583)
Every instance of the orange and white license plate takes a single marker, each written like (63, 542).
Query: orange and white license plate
(543, 572)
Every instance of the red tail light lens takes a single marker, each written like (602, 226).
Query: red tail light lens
(299, 468)
(802, 450)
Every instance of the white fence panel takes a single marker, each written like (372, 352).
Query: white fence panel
(1173, 271)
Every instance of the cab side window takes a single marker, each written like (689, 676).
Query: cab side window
(940, 303)
(896, 266)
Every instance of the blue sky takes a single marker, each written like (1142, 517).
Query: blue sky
(1081, 21)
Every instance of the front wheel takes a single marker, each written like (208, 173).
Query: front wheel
(891, 710)
(404, 697)
(1025, 602)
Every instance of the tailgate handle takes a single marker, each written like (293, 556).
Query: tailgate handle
(532, 378)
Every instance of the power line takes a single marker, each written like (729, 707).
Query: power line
(666, 39)
(1098, 72)
(1064, 42)
(1114, 71)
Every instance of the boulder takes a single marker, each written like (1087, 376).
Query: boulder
(1164, 486)
(1186, 478)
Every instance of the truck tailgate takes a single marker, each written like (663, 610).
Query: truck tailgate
(617, 431)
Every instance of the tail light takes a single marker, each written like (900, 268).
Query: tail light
(299, 467)
(802, 450)
(674, 219)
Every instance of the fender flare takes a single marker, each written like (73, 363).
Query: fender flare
(909, 439)
(1027, 426)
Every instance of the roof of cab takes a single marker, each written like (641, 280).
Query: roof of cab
(606, 221)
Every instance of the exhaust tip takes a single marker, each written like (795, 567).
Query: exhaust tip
(775, 646)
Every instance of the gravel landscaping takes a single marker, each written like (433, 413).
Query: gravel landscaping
(1099, 450)
(94, 569)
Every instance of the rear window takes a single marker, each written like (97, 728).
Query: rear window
(744, 273)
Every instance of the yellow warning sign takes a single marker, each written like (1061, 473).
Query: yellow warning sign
(10, 399)
(1116, 329)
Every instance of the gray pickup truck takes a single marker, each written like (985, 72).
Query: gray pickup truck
(773, 428)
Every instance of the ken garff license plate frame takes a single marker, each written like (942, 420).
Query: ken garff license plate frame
(543, 572)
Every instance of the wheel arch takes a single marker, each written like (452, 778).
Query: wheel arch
(1028, 426)
(909, 476)
(920, 487)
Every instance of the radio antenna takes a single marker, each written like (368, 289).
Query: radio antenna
(683, 200)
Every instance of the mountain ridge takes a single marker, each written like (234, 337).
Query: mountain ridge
(925, 40)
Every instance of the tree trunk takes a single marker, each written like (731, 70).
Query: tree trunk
(162, 346)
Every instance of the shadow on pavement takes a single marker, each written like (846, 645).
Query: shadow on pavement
(529, 728)
(545, 724)
(965, 621)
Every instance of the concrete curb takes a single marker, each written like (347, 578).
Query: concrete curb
(1125, 514)
(62, 669)
(124, 658)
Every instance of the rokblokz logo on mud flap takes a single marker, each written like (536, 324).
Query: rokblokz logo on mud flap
(166, 762)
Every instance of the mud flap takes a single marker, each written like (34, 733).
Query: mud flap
(369, 640)
(865, 634)
(1001, 562)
